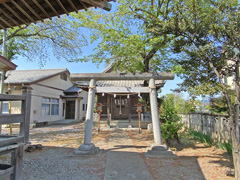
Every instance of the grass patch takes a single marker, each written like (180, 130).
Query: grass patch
(199, 136)
(203, 138)
(226, 147)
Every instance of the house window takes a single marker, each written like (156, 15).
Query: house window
(5, 107)
(50, 106)
(63, 76)
(83, 107)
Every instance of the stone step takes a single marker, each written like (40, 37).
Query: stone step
(122, 124)
(155, 153)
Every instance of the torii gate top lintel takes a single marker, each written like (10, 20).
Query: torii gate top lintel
(122, 76)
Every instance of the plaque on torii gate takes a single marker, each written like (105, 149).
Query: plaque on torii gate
(87, 147)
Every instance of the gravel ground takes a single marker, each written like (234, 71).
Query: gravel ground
(56, 161)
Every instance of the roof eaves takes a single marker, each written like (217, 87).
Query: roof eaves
(29, 82)
(8, 63)
(47, 77)
(107, 68)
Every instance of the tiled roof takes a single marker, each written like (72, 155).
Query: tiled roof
(31, 76)
(125, 83)
(107, 68)
(73, 89)
(119, 83)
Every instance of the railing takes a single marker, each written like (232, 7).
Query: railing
(14, 143)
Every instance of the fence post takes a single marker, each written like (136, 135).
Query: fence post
(26, 109)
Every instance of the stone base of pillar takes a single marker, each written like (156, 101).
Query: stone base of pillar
(160, 151)
(86, 149)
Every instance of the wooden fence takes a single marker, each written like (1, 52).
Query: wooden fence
(14, 144)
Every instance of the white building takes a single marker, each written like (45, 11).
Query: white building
(54, 97)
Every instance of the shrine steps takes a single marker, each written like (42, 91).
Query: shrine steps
(122, 124)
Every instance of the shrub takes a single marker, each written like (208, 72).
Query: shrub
(172, 122)
(199, 136)
(226, 147)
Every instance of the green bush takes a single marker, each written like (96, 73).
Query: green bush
(171, 121)
(226, 147)
(199, 136)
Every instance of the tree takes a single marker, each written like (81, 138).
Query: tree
(218, 105)
(123, 39)
(181, 105)
(39, 40)
(213, 54)
(205, 35)
(171, 121)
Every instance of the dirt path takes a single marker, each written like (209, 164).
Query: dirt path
(196, 161)
(56, 161)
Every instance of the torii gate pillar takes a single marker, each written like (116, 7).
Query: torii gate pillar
(87, 148)
(154, 112)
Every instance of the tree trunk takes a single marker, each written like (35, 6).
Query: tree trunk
(236, 156)
(235, 151)
(146, 96)
(233, 117)
(235, 129)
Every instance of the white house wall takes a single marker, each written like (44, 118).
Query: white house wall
(82, 114)
(15, 105)
(49, 88)
(36, 106)
(230, 80)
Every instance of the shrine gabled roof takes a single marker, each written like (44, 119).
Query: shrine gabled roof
(126, 83)
(119, 83)
(18, 12)
(107, 68)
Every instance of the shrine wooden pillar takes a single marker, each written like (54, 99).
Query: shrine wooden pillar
(108, 109)
(129, 112)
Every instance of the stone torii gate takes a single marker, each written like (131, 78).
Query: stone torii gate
(89, 148)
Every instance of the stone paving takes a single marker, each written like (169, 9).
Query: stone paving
(123, 160)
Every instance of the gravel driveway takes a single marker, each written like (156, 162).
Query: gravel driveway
(56, 161)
